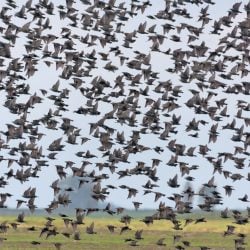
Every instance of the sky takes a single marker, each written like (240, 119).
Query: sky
(46, 76)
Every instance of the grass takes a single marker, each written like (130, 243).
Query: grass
(202, 234)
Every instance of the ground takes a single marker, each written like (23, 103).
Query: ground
(202, 234)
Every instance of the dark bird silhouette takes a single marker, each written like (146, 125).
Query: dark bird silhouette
(173, 182)
(124, 229)
(90, 229)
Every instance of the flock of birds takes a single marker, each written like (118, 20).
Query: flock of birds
(135, 91)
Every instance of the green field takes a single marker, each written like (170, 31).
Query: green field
(202, 234)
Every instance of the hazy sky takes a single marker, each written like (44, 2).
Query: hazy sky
(46, 76)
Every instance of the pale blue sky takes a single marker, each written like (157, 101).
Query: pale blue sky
(45, 77)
